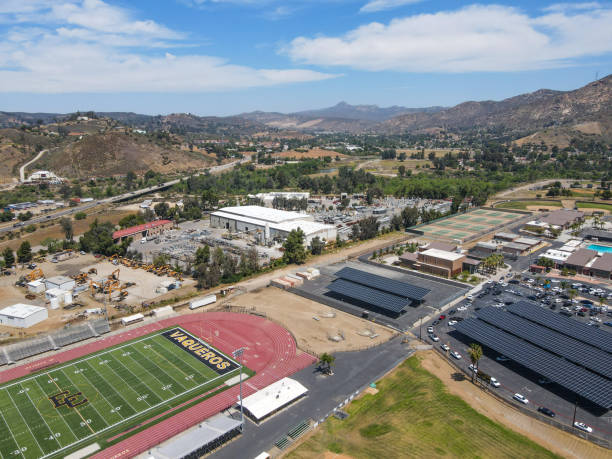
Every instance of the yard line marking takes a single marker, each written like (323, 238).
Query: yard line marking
(100, 375)
(61, 415)
(170, 362)
(26, 423)
(148, 372)
(41, 417)
(77, 411)
(11, 432)
(105, 399)
(180, 357)
(135, 377)
(90, 403)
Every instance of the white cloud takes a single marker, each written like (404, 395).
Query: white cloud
(380, 5)
(572, 6)
(90, 46)
(474, 38)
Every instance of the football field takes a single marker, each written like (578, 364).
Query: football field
(91, 399)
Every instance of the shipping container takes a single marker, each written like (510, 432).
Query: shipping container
(202, 301)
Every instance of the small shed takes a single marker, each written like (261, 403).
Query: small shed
(61, 282)
(37, 286)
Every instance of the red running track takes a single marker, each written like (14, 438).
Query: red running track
(270, 351)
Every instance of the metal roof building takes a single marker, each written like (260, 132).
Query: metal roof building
(22, 315)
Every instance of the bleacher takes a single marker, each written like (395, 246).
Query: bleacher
(299, 430)
(58, 339)
(282, 443)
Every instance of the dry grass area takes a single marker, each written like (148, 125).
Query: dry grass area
(313, 153)
(297, 314)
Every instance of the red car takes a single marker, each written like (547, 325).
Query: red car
(442, 317)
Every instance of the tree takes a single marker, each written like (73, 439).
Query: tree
(402, 156)
(294, 247)
(162, 209)
(210, 199)
(410, 216)
(131, 220)
(99, 239)
(161, 260)
(24, 253)
(202, 255)
(317, 246)
(80, 216)
(130, 178)
(366, 228)
(66, 225)
(475, 352)
(326, 362)
(9, 257)
(401, 170)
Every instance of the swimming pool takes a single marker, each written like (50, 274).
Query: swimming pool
(600, 248)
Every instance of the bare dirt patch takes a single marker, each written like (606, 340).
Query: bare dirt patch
(551, 438)
(298, 314)
(314, 153)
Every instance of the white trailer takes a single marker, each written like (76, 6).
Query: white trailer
(132, 319)
(202, 301)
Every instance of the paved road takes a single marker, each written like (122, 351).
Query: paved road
(22, 168)
(353, 371)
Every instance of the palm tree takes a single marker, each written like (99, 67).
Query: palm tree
(572, 293)
(475, 352)
(326, 362)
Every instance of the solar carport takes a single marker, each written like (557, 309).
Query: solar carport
(567, 352)
(374, 292)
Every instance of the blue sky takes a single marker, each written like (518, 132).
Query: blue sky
(219, 57)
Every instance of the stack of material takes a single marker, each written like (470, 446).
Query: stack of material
(305, 275)
(314, 272)
(280, 283)
(297, 280)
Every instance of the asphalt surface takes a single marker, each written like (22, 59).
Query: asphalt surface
(513, 377)
(439, 295)
(352, 372)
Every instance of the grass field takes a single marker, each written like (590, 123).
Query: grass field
(594, 205)
(522, 205)
(413, 415)
(66, 407)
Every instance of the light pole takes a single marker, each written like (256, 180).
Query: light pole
(238, 353)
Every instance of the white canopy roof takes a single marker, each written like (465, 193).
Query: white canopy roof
(273, 397)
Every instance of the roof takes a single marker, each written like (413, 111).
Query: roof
(487, 245)
(600, 234)
(59, 280)
(21, 311)
(581, 257)
(442, 246)
(506, 236)
(603, 263)
(382, 283)
(556, 255)
(442, 254)
(516, 246)
(266, 214)
(275, 396)
(371, 296)
(408, 256)
(306, 226)
(562, 217)
(472, 261)
(527, 241)
(138, 228)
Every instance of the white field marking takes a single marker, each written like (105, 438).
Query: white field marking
(100, 375)
(13, 436)
(61, 415)
(77, 411)
(41, 417)
(24, 421)
(138, 414)
(127, 385)
(89, 404)
(149, 373)
(182, 360)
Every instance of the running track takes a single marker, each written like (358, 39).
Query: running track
(270, 351)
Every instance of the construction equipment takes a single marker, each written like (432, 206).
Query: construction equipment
(92, 271)
(35, 274)
(114, 275)
(81, 278)
(94, 287)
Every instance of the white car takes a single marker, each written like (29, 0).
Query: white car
(473, 368)
(456, 355)
(582, 426)
(470, 297)
(452, 323)
(531, 281)
(430, 330)
(495, 382)
(504, 284)
(434, 338)
(520, 398)
(462, 308)
(445, 347)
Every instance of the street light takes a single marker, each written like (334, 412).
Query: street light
(238, 353)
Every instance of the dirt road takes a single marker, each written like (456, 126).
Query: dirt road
(555, 440)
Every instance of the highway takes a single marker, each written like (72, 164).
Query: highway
(132, 194)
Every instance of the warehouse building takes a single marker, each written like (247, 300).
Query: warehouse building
(435, 261)
(60, 283)
(22, 315)
(145, 230)
(270, 224)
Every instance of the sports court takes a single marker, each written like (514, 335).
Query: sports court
(469, 226)
(53, 411)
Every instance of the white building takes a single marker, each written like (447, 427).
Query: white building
(22, 315)
(270, 223)
(60, 282)
(273, 398)
(43, 176)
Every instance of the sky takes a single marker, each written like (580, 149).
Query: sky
(222, 57)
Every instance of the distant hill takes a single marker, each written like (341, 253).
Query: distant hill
(526, 113)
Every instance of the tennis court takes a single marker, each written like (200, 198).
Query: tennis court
(469, 226)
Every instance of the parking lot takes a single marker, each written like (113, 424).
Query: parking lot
(514, 378)
(441, 293)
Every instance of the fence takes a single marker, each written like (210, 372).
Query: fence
(605, 443)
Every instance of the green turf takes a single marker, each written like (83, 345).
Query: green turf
(594, 205)
(413, 415)
(123, 386)
(522, 205)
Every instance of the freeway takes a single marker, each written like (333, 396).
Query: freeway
(122, 197)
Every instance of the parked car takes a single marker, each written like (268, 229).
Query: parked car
(445, 347)
(430, 330)
(494, 382)
(452, 323)
(520, 398)
(546, 411)
(473, 368)
(456, 355)
(435, 322)
(434, 338)
(442, 317)
(582, 426)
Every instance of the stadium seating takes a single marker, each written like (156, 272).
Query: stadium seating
(299, 430)
(282, 443)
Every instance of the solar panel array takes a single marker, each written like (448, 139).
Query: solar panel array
(385, 284)
(369, 295)
(573, 350)
(591, 386)
(570, 327)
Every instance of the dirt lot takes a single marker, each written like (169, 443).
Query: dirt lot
(555, 440)
(314, 153)
(298, 314)
(146, 282)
